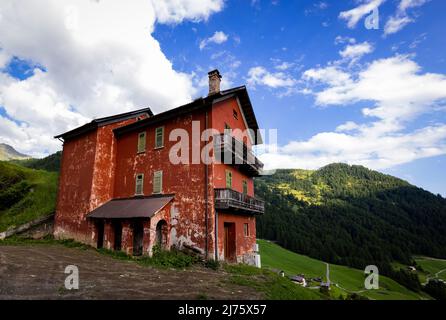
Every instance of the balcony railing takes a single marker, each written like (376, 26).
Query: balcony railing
(229, 150)
(230, 199)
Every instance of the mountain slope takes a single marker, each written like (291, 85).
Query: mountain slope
(344, 280)
(25, 194)
(50, 163)
(352, 216)
(8, 153)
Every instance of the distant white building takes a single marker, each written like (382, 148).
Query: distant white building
(299, 280)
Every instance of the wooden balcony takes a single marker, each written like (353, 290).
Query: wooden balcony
(228, 199)
(231, 151)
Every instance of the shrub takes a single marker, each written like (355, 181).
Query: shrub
(212, 264)
(436, 289)
(170, 259)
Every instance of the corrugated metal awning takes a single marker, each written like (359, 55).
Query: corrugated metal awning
(138, 207)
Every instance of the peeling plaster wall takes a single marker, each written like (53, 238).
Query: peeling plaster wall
(222, 112)
(85, 182)
(97, 167)
(186, 224)
(244, 244)
(75, 180)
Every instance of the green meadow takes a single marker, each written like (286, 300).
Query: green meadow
(25, 194)
(344, 280)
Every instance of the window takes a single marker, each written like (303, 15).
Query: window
(245, 187)
(159, 137)
(235, 114)
(246, 229)
(139, 184)
(142, 142)
(228, 179)
(157, 182)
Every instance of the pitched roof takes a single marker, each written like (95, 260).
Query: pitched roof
(137, 207)
(102, 122)
(240, 92)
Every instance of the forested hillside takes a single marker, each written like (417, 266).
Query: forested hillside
(351, 215)
(49, 163)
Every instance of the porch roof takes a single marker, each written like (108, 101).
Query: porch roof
(137, 207)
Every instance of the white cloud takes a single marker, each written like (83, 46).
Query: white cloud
(175, 11)
(395, 24)
(398, 93)
(284, 66)
(356, 51)
(407, 4)
(4, 58)
(218, 37)
(363, 148)
(398, 21)
(100, 59)
(342, 40)
(348, 126)
(260, 76)
(354, 15)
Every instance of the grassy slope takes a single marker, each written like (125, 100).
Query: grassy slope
(352, 280)
(431, 267)
(37, 202)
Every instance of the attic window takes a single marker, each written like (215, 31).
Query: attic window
(141, 142)
(159, 137)
(235, 114)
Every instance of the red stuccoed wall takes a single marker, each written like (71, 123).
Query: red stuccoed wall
(244, 244)
(186, 218)
(97, 167)
(85, 182)
(222, 113)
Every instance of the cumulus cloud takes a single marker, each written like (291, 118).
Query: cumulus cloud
(175, 11)
(218, 37)
(260, 76)
(354, 15)
(398, 93)
(356, 51)
(398, 21)
(99, 59)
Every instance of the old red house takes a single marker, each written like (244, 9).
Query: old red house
(181, 178)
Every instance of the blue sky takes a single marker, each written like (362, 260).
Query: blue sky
(303, 33)
(335, 90)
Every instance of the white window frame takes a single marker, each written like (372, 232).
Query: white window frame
(142, 184)
(160, 173)
(140, 150)
(162, 137)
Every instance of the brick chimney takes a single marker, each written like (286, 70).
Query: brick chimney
(214, 82)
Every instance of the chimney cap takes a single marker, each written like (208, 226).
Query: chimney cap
(215, 71)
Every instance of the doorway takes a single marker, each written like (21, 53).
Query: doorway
(117, 230)
(138, 235)
(229, 242)
(161, 234)
(100, 233)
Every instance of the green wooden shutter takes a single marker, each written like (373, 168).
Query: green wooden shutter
(142, 142)
(228, 179)
(245, 187)
(157, 182)
(159, 137)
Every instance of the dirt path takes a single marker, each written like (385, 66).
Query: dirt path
(37, 272)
